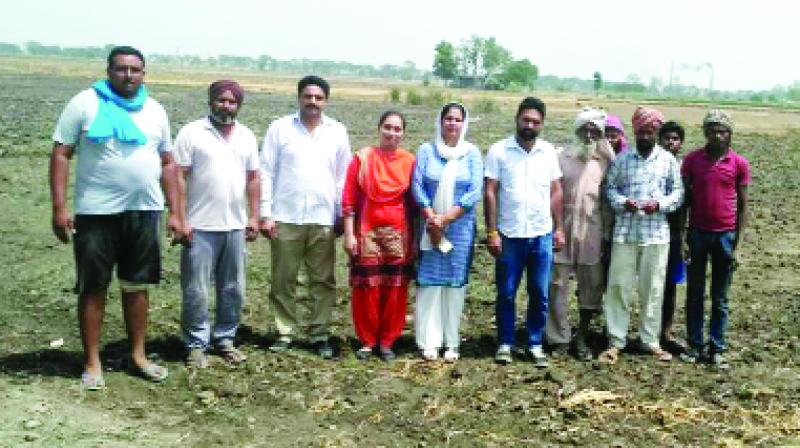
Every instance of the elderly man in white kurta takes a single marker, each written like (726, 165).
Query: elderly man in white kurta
(587, 222)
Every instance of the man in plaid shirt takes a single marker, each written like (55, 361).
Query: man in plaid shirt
(643, 185)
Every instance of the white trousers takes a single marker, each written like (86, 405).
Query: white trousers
(438, 316)
(650, 264)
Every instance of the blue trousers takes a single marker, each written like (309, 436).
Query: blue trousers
(534, 256)
(716, 247)
(216, 257)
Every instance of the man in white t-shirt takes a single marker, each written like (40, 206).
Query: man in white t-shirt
(304, 162)
(219, 164)
(524, 224)
(122, 139)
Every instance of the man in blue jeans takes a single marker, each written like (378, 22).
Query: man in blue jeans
(716, 180)
(219, 189)
(523, 212)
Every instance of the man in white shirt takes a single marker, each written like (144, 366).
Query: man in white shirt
(219, 164)
(122, 139)
(524, 224)
(304, 161)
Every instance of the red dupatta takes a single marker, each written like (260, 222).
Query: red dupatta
(384, 175)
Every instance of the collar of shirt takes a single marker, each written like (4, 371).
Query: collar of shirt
(725, 156)
(323, 122)
(512, 143)
(210, 126)
(654, 154)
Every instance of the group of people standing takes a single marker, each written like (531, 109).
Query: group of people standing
(609, 215)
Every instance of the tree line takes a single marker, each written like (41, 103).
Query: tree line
(477, 62)
(407, 71)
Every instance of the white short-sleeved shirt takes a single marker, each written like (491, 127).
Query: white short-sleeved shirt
(216, 185)
(523, 199)
(302, 173)
(112, 177)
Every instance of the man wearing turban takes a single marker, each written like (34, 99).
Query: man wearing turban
(219, 189)
(586, 227)
(716, 180)
(643, 185)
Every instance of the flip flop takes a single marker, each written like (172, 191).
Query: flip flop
(92, 382)
(609, 356)
(232, 354)
(658, 353)
(153, 372)
(363, 353)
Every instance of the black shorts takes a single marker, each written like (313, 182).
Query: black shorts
(129, 239)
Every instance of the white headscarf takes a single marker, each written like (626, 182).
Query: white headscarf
(589, 115)
(445, 192)
(462, 146)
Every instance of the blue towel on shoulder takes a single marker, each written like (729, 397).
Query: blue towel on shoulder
(112, 119)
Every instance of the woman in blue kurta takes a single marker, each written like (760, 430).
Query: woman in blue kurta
(447, 183)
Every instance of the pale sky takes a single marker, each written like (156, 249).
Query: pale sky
(750, 44)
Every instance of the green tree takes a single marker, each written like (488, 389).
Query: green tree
(520, 72)
(445, 63)
(408, 71)
(598, 81)
(6, 48)
(469, 55)
(34, 47)
(265, 62)
(494, 58)
(482, 59)
(793, 92)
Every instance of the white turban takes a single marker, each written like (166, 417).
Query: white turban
(591, 115)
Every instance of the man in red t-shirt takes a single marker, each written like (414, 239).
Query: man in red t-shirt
(716, 180)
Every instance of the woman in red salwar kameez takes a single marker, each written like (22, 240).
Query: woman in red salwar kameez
(378, 237)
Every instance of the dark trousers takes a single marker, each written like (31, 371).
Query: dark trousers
(716, 247)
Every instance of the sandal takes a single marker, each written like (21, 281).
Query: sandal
(451, 355)
(658, 353)
(430, 354)
(197, 359)
(387, 354)
(232, 354)
(92, 382)
(153, 372)
(363, 353)
(609, 356)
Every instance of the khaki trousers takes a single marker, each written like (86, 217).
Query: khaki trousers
(590, 279)
(313, 246)
(628, 261)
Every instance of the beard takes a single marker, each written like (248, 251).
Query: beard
(527, 134)
(221, 117)
(645, 145)
(585, 149)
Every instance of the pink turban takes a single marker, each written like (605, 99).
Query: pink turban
(217, 88)
(644, 117)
